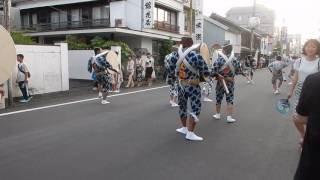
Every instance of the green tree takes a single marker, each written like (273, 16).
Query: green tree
(20, 38)
(165, 49)
(97, 41)
(75, 44)
(125, 49)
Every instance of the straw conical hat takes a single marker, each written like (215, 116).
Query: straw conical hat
(7, 55)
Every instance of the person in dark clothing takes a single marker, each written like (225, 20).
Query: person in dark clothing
(249, 66)
(308, 112)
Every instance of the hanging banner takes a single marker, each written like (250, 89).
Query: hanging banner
(148, 6)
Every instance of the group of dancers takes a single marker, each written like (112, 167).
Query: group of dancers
(187, 69)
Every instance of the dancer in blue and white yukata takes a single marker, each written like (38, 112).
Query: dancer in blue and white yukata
(209, 84)
(173, 86)
(187, 67)
(104, 79)
(227, 66)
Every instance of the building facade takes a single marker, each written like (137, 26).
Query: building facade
(241, 16)
(139, 23)
(238, 36)
(294, 44)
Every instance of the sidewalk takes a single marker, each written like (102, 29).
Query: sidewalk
(79, 90)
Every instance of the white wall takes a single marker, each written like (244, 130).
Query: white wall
(118, 11)
(146, 43)
(181, 24)
(78, 61)
(134, 14)
(235, 40)
(48, 66)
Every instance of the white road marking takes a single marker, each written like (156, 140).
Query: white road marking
(76, 102)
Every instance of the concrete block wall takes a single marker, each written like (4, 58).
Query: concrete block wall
(48, 66)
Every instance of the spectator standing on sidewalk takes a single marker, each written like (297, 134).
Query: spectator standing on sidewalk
(130, 70)
(309, 64)
(22, 79)
(308, 112)
(139, 71)
(149, 64)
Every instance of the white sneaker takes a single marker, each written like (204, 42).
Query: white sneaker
(248, 82)
(205, 99)
(100, 95)
(174, 104)
(105, 102)
(217, 116)
(182, 130)
(230, 119)
(193, 137)
(94, 88)
(276, 92)
(24, 101)
(290, 83)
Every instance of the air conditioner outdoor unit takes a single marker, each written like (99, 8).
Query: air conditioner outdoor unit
(119, 23)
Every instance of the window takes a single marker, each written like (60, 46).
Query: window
(174, 18)
(44, 17)
(96, 12)
(75, 15)
(25, 20)
(63, 19)
(34, 19)
(160, 15)
(155, 14)
(55, 17)
(63, 16)
(105, 13)
(166, 16)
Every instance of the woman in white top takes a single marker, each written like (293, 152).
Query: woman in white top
(130, 70)
(149, 64)
(307, 65)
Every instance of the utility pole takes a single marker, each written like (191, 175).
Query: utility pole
(7, 25)
(252, 29)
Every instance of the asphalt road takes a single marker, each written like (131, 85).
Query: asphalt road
(134, 138)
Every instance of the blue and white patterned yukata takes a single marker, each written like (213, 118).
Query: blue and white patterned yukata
(173, 86)
(226, 72)
(104, 78)
(207, 87)
(187, 91)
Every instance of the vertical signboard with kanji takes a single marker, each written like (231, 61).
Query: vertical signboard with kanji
(199, 22)
(199, 30)
(148, 6)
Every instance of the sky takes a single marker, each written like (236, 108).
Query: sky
(300, 16)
